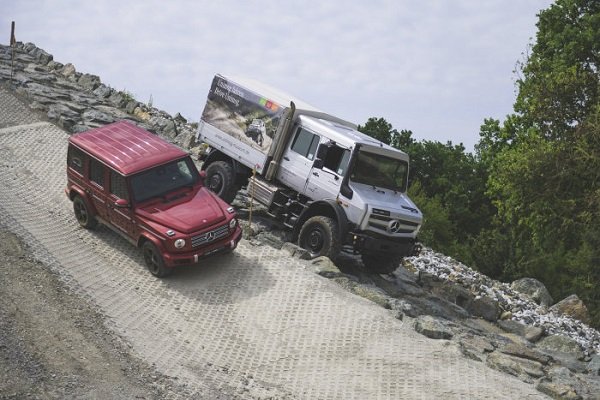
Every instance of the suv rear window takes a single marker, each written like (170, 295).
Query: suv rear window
(97, 172)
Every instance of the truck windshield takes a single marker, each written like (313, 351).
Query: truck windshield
(378, 170)
(163, 179)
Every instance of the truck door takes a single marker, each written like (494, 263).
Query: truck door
(327, 172)
(297, 160)
(96, 189)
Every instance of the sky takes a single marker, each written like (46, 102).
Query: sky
(436, 67)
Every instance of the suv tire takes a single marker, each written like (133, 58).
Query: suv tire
(154, 260)
(319, 235)
(221, 180)
(82, 212)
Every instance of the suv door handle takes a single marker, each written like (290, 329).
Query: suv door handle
(315, 174)
(286, 158)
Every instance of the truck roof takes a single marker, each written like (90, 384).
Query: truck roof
(126, 147)
(284, 99)
(349, 137)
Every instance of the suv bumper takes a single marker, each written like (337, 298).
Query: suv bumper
(192, 257)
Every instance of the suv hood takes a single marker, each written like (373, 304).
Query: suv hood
(189, 212)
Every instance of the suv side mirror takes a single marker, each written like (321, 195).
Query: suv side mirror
(202, 177)
(318, 163)
(121, 203)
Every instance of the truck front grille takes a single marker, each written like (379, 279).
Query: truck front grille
(210, 236)
(381, 222)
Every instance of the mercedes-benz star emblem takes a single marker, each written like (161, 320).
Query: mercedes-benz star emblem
(394, 226)
(210, 236)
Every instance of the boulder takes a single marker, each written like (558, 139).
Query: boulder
(531, 333)
(525, 369)
(593, 367)
(68, 70)
(484, 307)
(296, 251)
(325, 267)
(534, 289)
(434, 328)
(572, 307)
(89, 82)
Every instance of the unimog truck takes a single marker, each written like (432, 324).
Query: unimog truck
(336, 188)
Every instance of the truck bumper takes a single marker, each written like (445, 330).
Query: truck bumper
(225, 245)
(366, 244)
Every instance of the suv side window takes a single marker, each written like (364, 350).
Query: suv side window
(118, 186)
(337, 160)
(305, 143)
(75, 159)
(97, 172)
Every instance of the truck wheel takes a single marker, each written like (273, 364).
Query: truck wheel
(319, 235)
(83, 214)
(154, 260)
(221, 180)
(381, 264)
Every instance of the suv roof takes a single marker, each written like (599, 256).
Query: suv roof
(126, 147)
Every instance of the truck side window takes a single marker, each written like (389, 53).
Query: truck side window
(305, 143)
(97, 172)
(118, 186)
(75, 159)
(337, 160)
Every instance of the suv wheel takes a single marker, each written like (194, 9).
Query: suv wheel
(83, 214)
(154, 261)
(319, 235)
(221, 180)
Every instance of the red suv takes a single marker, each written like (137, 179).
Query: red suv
(150, 192)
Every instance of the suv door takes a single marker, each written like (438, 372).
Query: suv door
(297, 160)
(119, 215)
(96, 188)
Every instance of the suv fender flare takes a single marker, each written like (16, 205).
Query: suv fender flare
(147, 236)
(329, 208)
(77, 191)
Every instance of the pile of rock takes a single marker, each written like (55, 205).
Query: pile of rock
(78, 101)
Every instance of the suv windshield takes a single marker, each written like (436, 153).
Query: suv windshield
(378, 170)
(163, 179)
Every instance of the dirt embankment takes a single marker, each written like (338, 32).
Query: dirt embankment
(54, 344)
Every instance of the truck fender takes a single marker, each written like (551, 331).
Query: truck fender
(216, 155)
(329, 208)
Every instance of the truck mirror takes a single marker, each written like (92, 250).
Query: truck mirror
(318, 163)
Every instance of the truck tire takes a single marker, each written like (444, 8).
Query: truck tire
(319, 235)
(82, 212)
(221, 180)
(381, 264)
(154, 261)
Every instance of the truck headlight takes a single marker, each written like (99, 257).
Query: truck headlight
(232, 223)
(179, 243)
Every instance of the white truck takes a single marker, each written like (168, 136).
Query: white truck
(333, 186)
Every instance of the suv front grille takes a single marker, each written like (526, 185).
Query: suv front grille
(211, 236)
(381, 222)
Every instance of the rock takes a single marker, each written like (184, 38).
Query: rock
(325, 267)
(518, 350)
(398, 287)
(531, 333)
(475, 347)
(89, 82)
(557, 390)
(403, 306)
(534, 289)
(560, 344)
(98, 117)
(68, 70)
(594, 366)
(103, 91)
(506, 315)
(296, 251)
(524, 369)
(372, 293)
(484, 307)
(573, 307)
(432, 327)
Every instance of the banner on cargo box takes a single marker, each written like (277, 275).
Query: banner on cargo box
(242, 114)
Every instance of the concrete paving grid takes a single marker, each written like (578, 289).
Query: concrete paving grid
(255, 322)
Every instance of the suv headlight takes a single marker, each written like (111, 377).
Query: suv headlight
(232, 223)
(179, 243)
